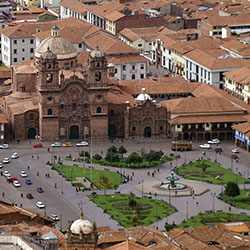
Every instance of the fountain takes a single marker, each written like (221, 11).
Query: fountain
(172, 185)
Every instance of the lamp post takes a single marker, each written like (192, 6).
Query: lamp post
(244, 174)
(187, 209)
(61, 222)
(62, 180)
(232, 164)
(142, 191)
(213, 195)
(45, 208)
(71, 170)
(169, 195)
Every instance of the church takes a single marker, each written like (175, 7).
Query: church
(58, 97)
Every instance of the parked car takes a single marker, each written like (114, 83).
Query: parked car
(16, 184)
(29, 196)
(1, 165)
(54, 217)
(56, 144)
(235, 157)
(82, 144)
(67, 144)
(23, 174)
(40, 204)
(39, 190)
(12, 179)
(214, 141)
(6, 160)
(5, 172)
(148, 196)
(235, 151)
(38, 145)
(4, 146)
(206, 146)
(28, 182)
(8, 176)
(14, 155)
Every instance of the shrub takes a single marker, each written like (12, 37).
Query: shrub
(133, 158)
(232, 189)
(97, 157)
(84, 154)
(153, 156)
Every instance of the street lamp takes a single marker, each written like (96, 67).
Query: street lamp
(169, 195)
(45, 208)
(71, 170)
(213, 195)
(142, 191)
(60, 222)
(187, 209)
(232, 164)
(62, 180)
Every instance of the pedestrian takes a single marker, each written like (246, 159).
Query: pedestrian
(155, 194)
(37, 173)
(148, 173)
(18, 141)
(101, 152)
(37, 157)
(28, 168)
(230, 209)
(48, 149)
(1, 173)
(153, 175)
(21, 205)
(197, 203)
(3, 194)
(158, 170)
(32, 156)
(55, 185)
(48, 175)
(21, 195)
(45, 174)
(170, 164)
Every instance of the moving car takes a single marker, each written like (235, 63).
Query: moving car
(6, 160)
(39, 190)
(40, 204)
(54, 217)
(206, 146)
(214, 141)
(14, 155)
(4, 146)
(23, 174)
(56, 144)
(235, 150)
(29, 196)
(16, 184)
(28, 182)
(67, 144)
(12, 179)
(38, 145)
(82, 144)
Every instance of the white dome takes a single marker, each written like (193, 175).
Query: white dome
(81, 225)
(143, 96)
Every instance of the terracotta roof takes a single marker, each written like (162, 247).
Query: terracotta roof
(118, 59)
(114, 16)
(127, 245)
(111, 236)
(237, 47)
(3, 118)
(118, 96)
(5, 74)
(167, 42)
(241, 75)
(74, 5)
(242, 127)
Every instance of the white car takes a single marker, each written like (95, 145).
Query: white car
(56, 144)
(8, 176)
(82, 144)
(214, 141)
(5, 172)
(23, 174)
(206, 146)
(54, 217)
(6, 160)
(14, 155)
(16, 184)
(235, 150)
(40, 204)
(4, 146)
(1, 165)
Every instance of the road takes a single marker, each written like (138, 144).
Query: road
(65, 201)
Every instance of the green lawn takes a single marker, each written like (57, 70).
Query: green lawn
(214, 173)
(213, 218)
(113, 178)
(117, 206)
(240, 201)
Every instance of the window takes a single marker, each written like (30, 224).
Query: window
(85, 105)
(178, 125)
(23, 58)
(23, 49)
(15, 51)
(124, 67)
(49, 98)
(49, 112)
(99, 110)
(115, 70)
(139, 45)
(133, 67)
(133, 76)
(15, 41)
(23, 41)
(31, 41)
(99, 97)
(142, 66)
(123, 77)
(161, 128)
(15, 59)
(31, 50)
(32, 58)
(79, 45)
(142, 76)
(134, 129)
(74, 107)
(62, 106)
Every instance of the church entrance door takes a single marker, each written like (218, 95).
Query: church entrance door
(74, 132)
(31, 133)
(112, 131)
(147, 132)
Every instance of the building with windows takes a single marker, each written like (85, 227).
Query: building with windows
(242, 135)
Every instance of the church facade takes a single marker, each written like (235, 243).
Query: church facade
(59, 98)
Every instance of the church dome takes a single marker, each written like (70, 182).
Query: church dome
(143, 96)
(97, 53)
(58, 45)
(81, 225)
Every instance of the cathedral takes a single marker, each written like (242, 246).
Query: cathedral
(58, 97)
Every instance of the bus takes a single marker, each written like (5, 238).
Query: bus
(181, 145)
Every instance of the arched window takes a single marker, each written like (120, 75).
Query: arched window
(133, 76)
(161, 128)
(111, 112)
(62, 106)
(99, 110)
(49, 111)
(31, 116)
(85, 105)
(74, 107)
(134, 128)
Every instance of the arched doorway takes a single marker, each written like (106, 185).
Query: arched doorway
(147, 132)
(31, 133)
(74, 132)
(112, 131)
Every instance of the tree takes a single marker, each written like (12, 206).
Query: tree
(84, 154)
(112, 157)
(153, 156)
(112, 149)
(122, 151)
(105, 182)
(97, 157)
(133, 157)
(232, 189)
